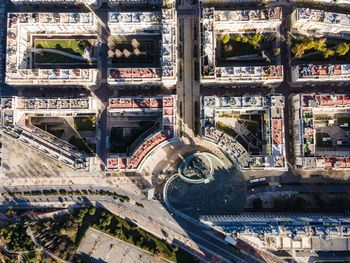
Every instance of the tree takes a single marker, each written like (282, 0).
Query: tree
(137, 52)
(111, 42)
(225, 39)
(342, 49)
(110, 53)
(308, 43)
(320, 45)
(126, 53)
(118, 53)
(328, 52)
(298, 50)
(135, 43)
(244, 39)
(92, 211)
(238, 38)
(256, 39)
(276, 52)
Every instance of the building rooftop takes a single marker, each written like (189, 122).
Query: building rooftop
(326, 72)
(270, 109)
(321, 16)
(20, 28)
(218, 22)
(134, 160)
(247, 15)
(89, 2)
(142, 24)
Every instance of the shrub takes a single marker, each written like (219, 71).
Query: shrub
(329, 52)
(225, 38)
(342, 49)
(276, 52)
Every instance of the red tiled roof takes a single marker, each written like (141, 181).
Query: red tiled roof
(277, 137)
(112, 163)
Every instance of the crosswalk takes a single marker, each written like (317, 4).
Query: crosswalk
(2, 43)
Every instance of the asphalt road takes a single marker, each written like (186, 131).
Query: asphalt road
(153, 210)
(301, 188)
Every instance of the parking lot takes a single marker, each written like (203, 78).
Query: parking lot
(103, 248)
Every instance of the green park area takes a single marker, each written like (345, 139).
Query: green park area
(62, 234)
(322, 49)
(70, 46)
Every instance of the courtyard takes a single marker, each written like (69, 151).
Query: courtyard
(319, 50)
(79, 131)
(134, 50)
(248, 47)
(246, 128)
(66, 50)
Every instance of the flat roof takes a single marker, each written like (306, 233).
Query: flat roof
(321, 16)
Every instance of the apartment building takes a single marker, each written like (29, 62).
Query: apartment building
(23, 28)
(321, 131)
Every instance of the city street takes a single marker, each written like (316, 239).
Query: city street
(154, 215)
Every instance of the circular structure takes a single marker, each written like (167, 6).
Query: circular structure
(195, 195)
(196, 168)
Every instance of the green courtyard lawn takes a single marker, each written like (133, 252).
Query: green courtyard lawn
(86, 123)
(71, 46)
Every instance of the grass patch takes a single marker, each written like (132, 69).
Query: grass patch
(72, 46)
(226, 128)
(87, 123)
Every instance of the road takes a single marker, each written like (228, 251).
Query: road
(153, 211)
(300, 188)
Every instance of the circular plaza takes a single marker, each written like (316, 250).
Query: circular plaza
(206, 185)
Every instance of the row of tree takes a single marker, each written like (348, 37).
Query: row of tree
(114, 51)
(253, 40)
(320, 45)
